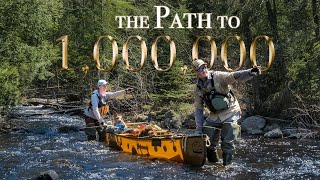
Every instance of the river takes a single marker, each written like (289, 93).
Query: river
(41, 147)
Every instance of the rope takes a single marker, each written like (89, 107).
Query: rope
(239, 131)
(212, 127)
(116, 137)
(227, 123)
(184, 143)
(207, 139)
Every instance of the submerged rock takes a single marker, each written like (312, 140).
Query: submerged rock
(48, 175)
(68, 129)
(36, 149)
(271, 127)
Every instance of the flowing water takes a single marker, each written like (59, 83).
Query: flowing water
(41, 147)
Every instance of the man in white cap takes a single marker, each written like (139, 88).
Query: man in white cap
(213, 90)
(98, 109)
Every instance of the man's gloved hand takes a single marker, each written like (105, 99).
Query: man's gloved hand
(129, 90)
(256, 70)
(198, 130)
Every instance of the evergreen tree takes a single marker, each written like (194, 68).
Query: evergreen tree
(26, 49)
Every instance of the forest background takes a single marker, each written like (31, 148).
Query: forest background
(31, 53)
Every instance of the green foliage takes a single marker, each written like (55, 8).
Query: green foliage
(305, 73)
(171, 86)
(9, 86)
(26, 28)
(84, 22)
(31, 55)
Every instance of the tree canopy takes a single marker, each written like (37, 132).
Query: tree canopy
(31, 54)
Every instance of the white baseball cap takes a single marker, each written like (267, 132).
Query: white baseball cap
(102, 82)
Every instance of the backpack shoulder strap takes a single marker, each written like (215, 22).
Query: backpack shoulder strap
(204, 92)
(90, 103)
(212, 81)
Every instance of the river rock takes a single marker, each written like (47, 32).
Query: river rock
(166, 123)
(253, 123)
(271, 127)
(152, 116)
(255, 131)
(36, 149)
(289, 131)
(171, 123)
(169, 115)
(68, 129)
(276, 133)
(48, 175)
(189, 121)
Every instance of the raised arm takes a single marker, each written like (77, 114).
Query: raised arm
(245, 75)
(113, 95)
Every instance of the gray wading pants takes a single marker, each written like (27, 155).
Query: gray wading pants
(92, 133)
(93, 130)
(228, 133)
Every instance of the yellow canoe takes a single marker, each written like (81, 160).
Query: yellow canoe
(190, 149)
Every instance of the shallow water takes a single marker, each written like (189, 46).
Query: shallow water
(24, 154)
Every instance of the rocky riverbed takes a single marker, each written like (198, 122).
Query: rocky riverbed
(36, 146)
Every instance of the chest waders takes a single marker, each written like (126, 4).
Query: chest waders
(102, 106)
(227, 131)
(92, 132)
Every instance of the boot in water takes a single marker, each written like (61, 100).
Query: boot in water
(212, 156)
(227, 159)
